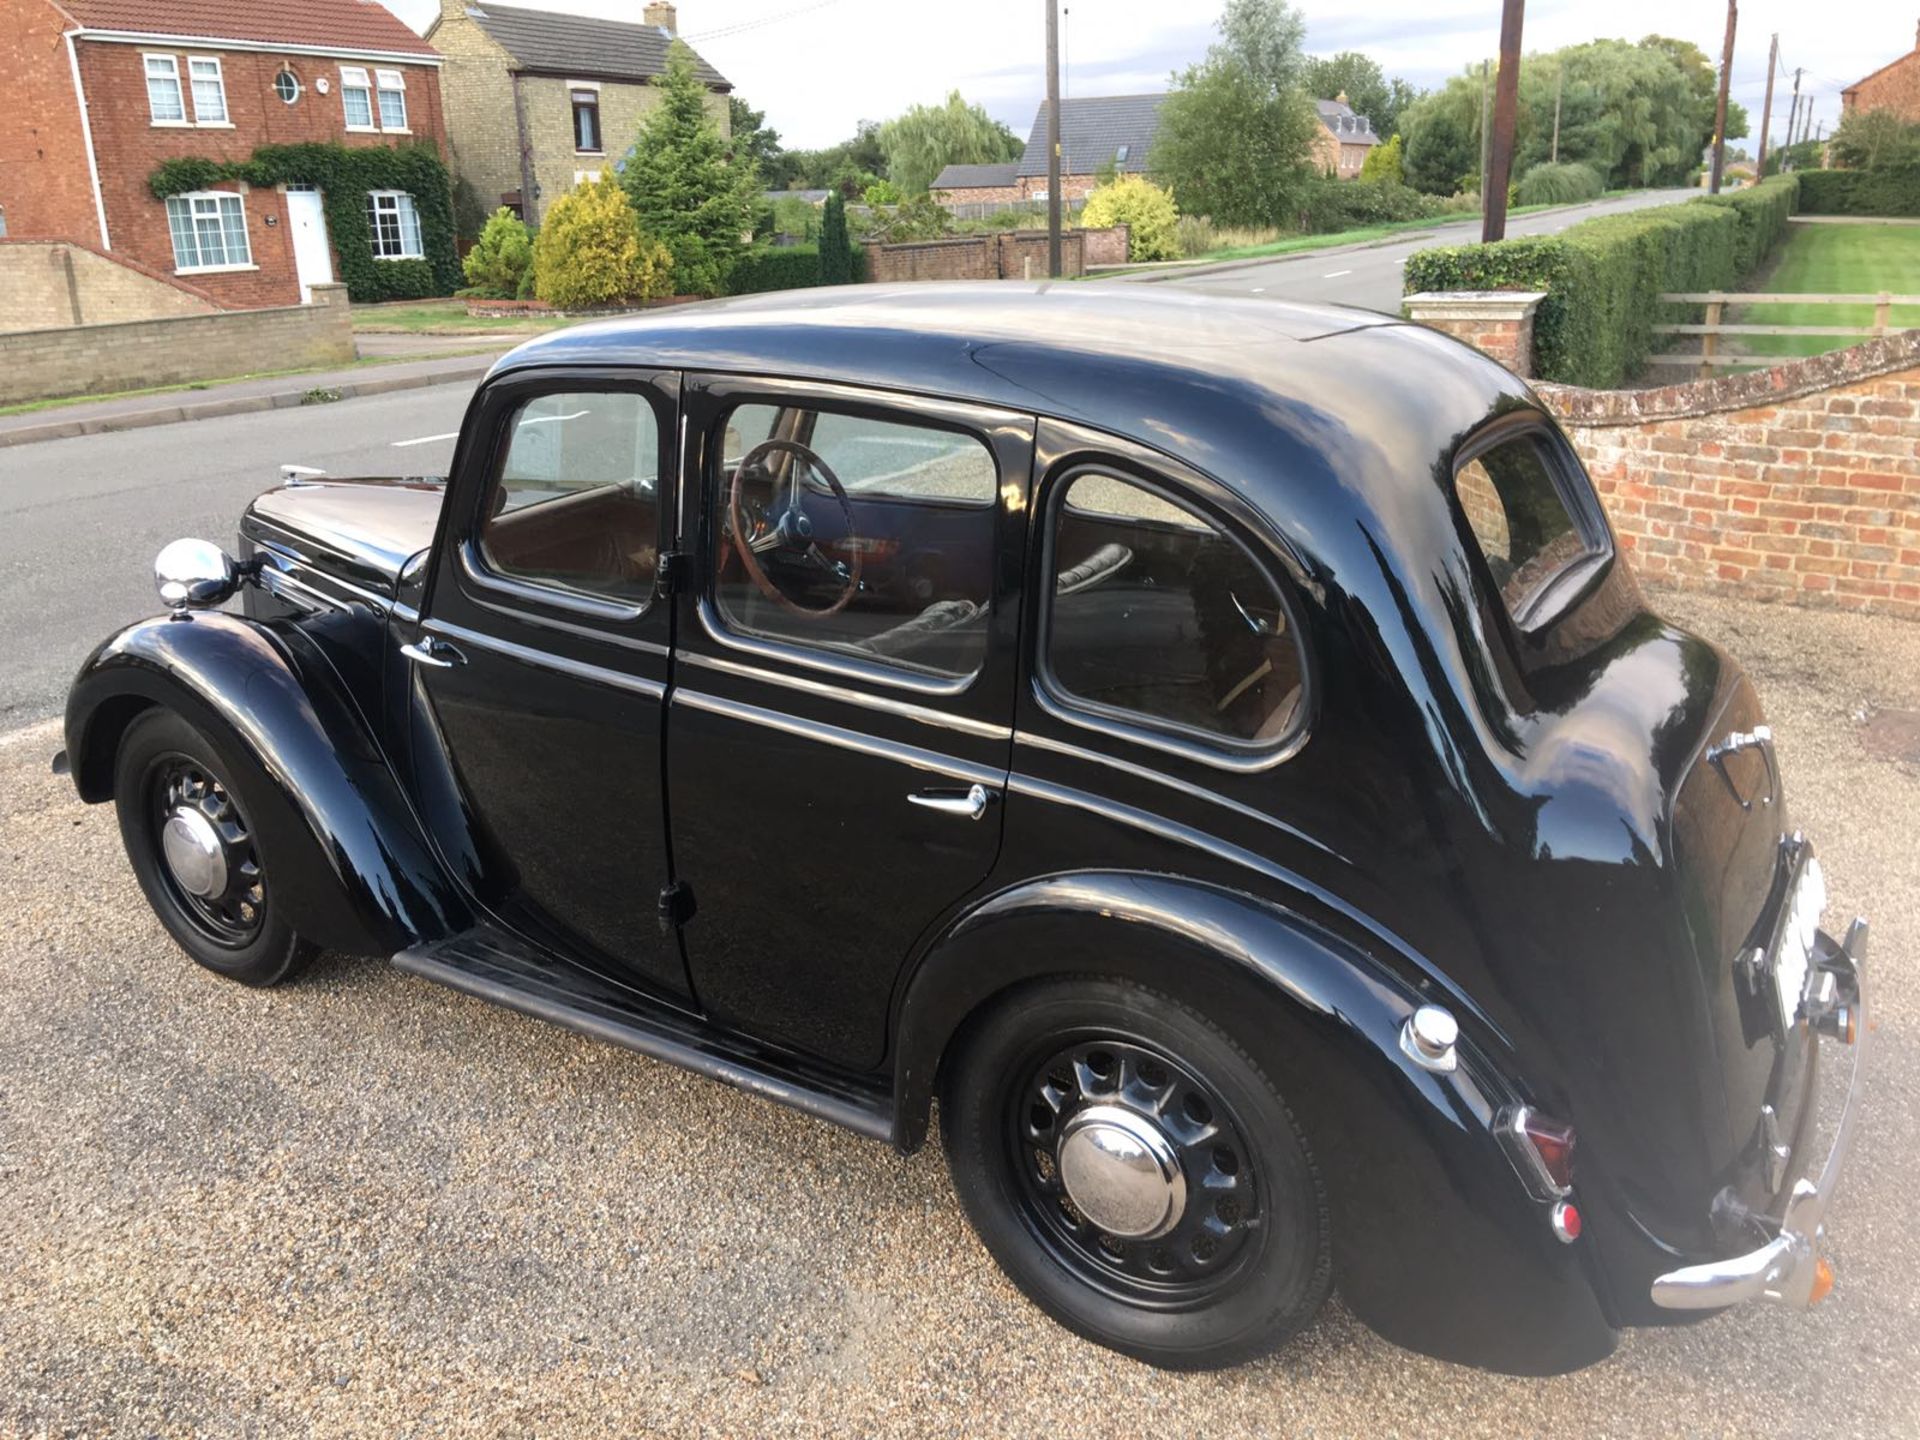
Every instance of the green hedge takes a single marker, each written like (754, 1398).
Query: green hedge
(345, 174)
(777, 267)
(1860, 192)
(1602, 277)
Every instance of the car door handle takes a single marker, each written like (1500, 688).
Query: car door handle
(973, 804)
(429, 650)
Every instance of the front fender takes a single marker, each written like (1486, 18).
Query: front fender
(351, 865)
(1436, 1244)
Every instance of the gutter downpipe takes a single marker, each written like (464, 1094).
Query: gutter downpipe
(86, 135)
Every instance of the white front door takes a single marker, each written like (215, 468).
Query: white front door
(312, 251)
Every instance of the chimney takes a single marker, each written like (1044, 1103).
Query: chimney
(1341, 98)
(661, 13)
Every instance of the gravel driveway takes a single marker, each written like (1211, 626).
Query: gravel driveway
(362, 1205)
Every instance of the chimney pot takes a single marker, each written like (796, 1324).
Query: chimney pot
(662, 14)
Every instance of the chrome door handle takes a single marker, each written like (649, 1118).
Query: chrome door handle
(430, 651)
(973, 804)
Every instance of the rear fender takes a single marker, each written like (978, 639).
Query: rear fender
(352, 868)
(1436, 1243)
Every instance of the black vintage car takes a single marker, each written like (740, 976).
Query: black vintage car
(1214, 747)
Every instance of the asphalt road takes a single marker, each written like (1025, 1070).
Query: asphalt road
(361, 1205)
(1370, 277)
(82, 519)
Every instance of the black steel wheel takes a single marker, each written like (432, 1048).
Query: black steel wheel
(1132, 1169)
(184, 820)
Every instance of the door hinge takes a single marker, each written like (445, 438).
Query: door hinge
(671, 577)
(676, 905)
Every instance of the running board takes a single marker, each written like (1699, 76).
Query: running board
(492, 965)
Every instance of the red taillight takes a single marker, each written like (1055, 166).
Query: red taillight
(1541, 1149)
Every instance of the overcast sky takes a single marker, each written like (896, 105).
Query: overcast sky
(819, 66)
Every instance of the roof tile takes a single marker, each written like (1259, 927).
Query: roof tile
(581, 45)
(1093, 130)
(332, 24)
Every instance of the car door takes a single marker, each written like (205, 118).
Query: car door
(542, 664)
(840, 723)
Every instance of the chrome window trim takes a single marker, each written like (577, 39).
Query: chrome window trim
(827, 661)
(473, 567)
(526, 654)
(964, 724)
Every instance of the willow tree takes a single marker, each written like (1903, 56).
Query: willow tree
(923, 141)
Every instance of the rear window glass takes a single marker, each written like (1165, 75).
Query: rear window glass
(1516, 509)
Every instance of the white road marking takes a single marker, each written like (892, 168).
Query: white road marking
(1259, 289)
(426, 439)
(1336, 275)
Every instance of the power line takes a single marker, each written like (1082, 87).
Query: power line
(741, 28)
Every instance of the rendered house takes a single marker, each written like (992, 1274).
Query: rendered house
(101, 93)
(1097, 133)
(538, 101)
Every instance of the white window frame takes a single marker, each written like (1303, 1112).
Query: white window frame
(417, 239)
(364, 85)
(194, 200)
(390, 83)
(224, 120)
(600, 131)
(172, 62)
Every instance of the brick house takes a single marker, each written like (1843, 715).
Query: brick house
(1894, 86)
(1097, 132)
(1344, 140)
(538, 101)
(100, 93)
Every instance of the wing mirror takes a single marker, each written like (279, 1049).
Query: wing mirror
(195, 575)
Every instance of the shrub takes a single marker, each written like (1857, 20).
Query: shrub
(1859, 192)
(500, 258)
(775, 267)
(1566, 184)
(1144, 208)
(836, 250)
(1603, 276)
(590, 251)
(1386, 162)
(1326, 206)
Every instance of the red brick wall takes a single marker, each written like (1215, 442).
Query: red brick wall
(44, 190)
(1004, 255)
(130, 147)
(1895, 88)
(1800, 483)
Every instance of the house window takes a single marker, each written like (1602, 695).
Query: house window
(393, 99)
(1120, 155)
(396, 226)
(356, 95)
(586, 122)
(287, 86)
(209, 231)
(164, 99)
(209, 91)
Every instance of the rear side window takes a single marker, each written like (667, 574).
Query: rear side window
(1514, 499)
(1160, 618)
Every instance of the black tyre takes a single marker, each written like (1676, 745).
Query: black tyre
(184, 820)
(1135, 1174)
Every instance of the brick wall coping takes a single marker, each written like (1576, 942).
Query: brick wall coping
(1734, 392)
(134, 265)
(1473, 304)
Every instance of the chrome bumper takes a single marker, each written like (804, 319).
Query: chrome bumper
(1783, 1269)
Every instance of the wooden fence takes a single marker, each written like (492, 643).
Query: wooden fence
(1715, 326)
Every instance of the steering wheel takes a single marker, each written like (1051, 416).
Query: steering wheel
(792, 532)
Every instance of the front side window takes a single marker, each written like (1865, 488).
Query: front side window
(164, 100)
(576, 503)
(356, 97)
(393, 99)
(1515, 505)
(866, 538)
(1159, 618)
(586, 121)
(209, 91)
(396, 226)
(209, 231)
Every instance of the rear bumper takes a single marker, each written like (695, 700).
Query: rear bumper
(1784, 1268)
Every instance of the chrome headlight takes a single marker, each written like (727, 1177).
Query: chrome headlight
(195, 575)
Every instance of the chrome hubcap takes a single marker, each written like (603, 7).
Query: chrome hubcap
(1122, 1172)
(194, 853)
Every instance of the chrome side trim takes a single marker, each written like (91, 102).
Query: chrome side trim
(1785, 1267)
(473, 569)
(906, 710)
(585, 632)
(932, 761)
(1111, 722)
(578, 669)
(271, 578)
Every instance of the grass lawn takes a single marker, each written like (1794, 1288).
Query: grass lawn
(33, 407)
(443, 317)
(1834, 260)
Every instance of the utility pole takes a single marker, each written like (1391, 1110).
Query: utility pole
(1792, 116)
(1766, 110)
(1486, 140)
(1506, 115)
(1559, 86)
(1053, 138)
(1720, 110)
